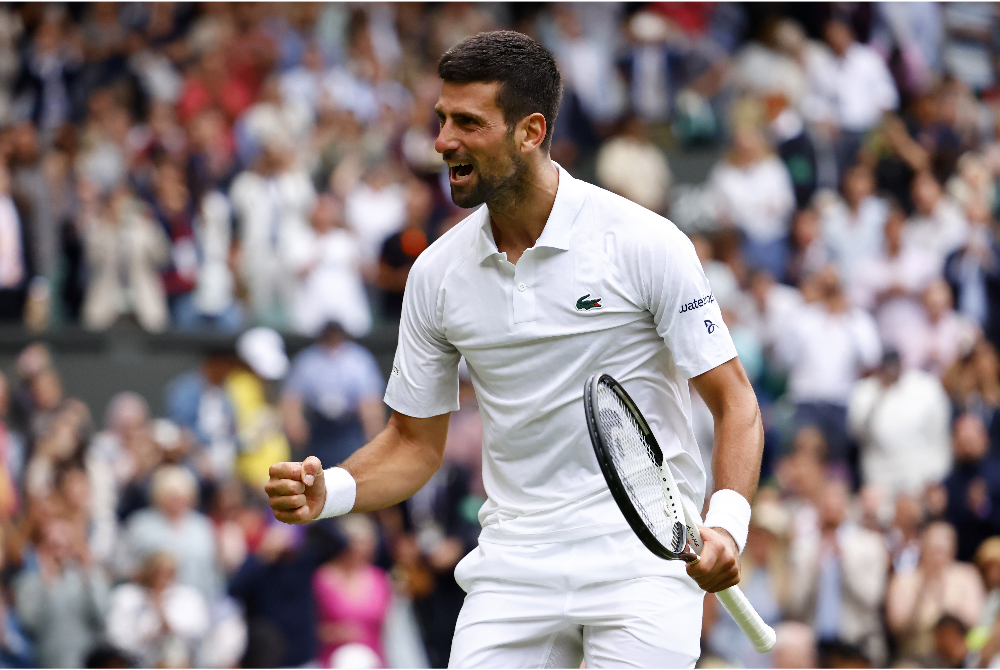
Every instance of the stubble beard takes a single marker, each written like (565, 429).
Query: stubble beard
(497, 185)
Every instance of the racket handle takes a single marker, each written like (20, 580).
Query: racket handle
(761, 635)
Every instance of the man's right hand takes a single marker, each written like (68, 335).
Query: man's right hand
(296, 491)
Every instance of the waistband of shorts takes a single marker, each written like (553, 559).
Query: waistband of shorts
(494, 534)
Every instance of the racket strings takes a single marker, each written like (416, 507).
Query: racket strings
(634, 461)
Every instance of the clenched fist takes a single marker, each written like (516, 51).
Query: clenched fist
(296, 491)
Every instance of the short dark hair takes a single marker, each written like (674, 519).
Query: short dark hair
(525, 70)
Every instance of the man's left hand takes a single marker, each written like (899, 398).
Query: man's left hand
(719, 567)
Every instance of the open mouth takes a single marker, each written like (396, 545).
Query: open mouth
(459, 173)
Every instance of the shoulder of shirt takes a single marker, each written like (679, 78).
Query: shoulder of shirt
(629, 221)
(444, 253)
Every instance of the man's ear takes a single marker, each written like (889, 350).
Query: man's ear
(530, 132)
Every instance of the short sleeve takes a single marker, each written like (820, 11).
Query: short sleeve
(677, 294)
(424, 377)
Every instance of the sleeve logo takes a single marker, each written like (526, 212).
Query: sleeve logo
(711, 326)
(695, 304)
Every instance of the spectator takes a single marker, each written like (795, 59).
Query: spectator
(890, 285)
(916, 600)
(331, 404)
(950, 647)
(13, 273)
(250, 386)
(344, 617)
(946, 334)
(172, 525)
(900, 420)
(850, 89)
(62, 600)
(375, 207)
(631, 165)
(987, 560)
(199, 401)
(807, 251)
(853, 224)
(938, 226)
(973, 486)
(174, 211)
(326, 262)
(125, 249)
(401, 249)
(826, 346)
(903, 537)
(120, 454)
(973, 383)
(275, 585)
(972, 274)
(754, 194)
(795, 646)
(838, 577)
(156, 620)
(446, 527)
(270, 201)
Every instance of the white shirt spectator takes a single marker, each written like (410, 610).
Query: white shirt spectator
(853, 237)
(757, 198)
(149, 631)
(903, 431)
(328, 284)
(942, 232)
(636, 169)
(900, 315)
(374, 214)
(267, 208)
(11, 262)
(852, 92)
(825, 352)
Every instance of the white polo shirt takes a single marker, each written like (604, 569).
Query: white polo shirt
(609, 287)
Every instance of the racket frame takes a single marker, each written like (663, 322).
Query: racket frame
(615, 485)
(761, 636)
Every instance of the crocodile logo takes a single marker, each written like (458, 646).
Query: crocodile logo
(583, 304)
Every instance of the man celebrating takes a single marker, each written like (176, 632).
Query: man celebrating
(552, 281)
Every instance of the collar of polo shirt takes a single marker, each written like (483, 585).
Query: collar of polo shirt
(570, 197)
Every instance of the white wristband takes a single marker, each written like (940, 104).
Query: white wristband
(730, 511)
(341, 490)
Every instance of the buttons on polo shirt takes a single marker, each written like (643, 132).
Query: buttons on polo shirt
(522, 287)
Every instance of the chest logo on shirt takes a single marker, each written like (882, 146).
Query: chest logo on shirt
(583, 304)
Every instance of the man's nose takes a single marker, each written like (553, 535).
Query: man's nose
(445, 140)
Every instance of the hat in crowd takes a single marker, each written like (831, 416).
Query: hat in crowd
(263, 350)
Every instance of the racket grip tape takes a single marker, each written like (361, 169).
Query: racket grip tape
(761, 636)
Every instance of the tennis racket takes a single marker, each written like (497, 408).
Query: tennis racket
(644, 488)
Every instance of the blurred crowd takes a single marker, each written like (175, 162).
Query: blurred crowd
(256, 168)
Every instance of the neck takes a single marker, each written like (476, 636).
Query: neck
(518, 217)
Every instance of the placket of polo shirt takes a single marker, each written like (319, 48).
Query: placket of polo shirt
(523, 289)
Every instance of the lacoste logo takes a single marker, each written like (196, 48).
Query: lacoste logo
(695, 304)
(711, 326)
(583, 304)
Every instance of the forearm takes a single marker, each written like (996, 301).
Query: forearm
(394, 465)
(738, 446)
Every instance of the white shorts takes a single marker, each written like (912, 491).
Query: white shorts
(605, 600)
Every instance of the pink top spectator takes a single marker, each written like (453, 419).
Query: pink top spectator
(358, 607)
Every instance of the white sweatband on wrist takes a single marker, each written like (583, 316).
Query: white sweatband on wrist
(730, 511)
(341, 490)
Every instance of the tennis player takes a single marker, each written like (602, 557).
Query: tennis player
(549, 282)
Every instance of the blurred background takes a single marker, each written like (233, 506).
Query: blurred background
(207, 217)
